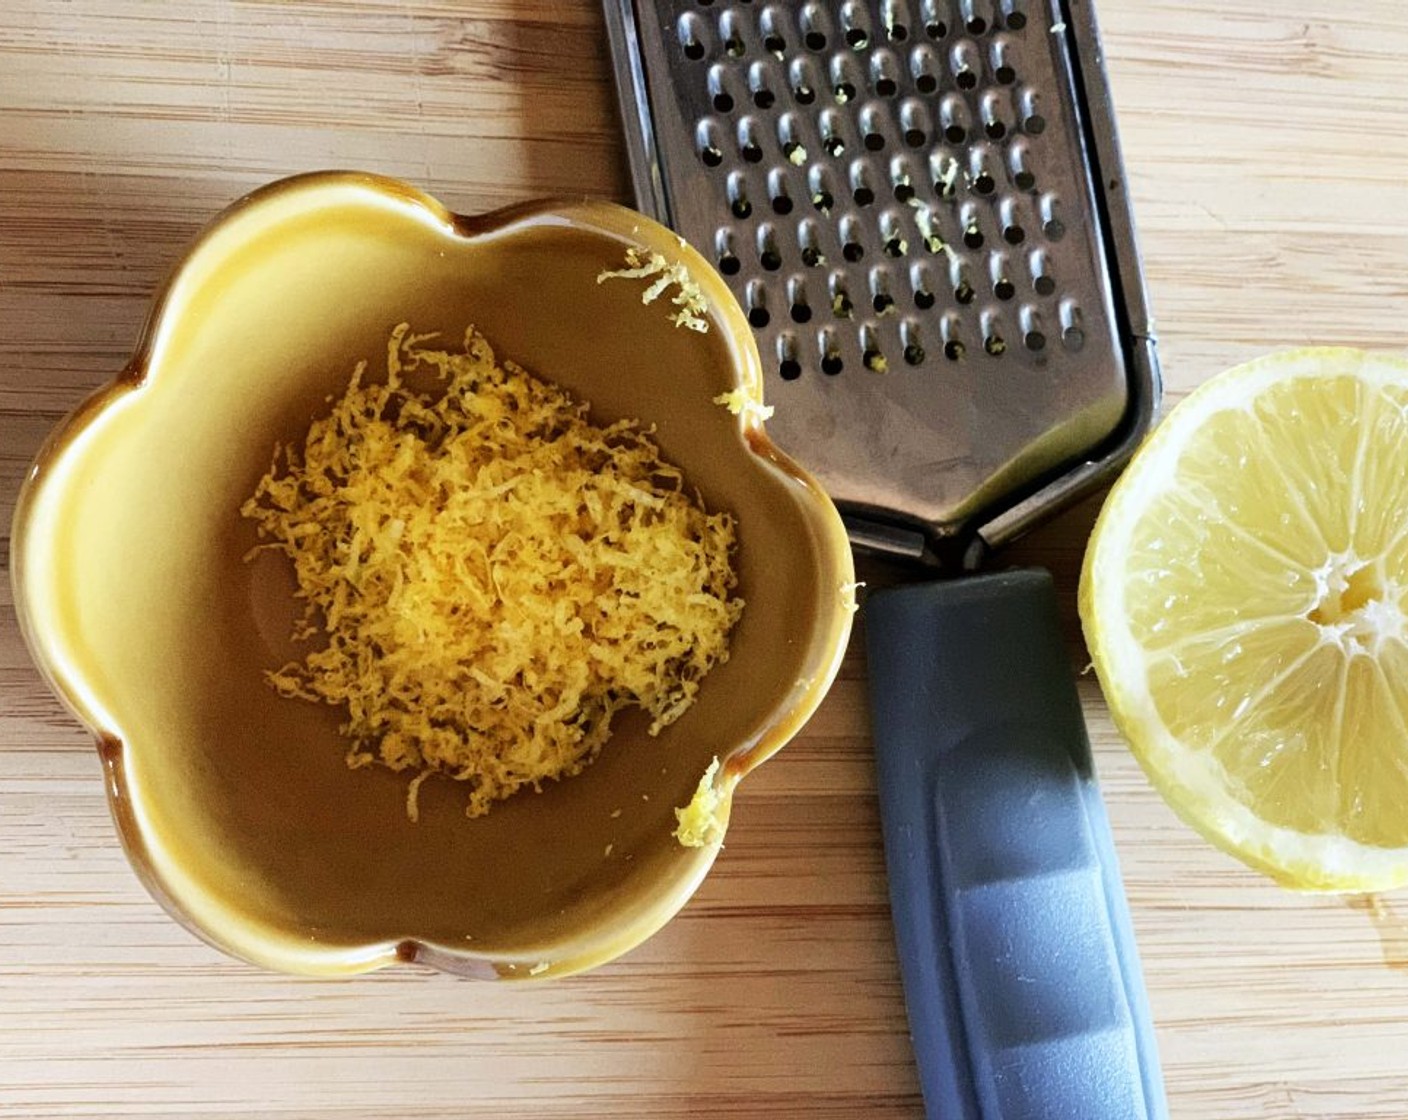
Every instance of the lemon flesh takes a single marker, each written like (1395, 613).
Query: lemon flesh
(1244, 597)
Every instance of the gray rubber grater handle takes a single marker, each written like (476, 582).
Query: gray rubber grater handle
(1026, 1000)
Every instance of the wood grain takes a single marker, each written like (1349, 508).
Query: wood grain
(1268, 158)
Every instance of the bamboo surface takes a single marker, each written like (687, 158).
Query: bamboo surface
(1267, 150)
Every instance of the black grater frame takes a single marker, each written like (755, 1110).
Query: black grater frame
(964, 543)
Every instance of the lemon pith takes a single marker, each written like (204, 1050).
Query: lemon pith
(1244, 596)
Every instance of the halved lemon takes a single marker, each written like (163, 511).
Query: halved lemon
(1245, 600)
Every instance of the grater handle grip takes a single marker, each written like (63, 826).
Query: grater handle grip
(1026, 1000)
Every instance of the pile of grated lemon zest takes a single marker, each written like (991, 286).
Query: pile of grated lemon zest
(699, 823)
(489, 576)
(741, 404)
(689, 299)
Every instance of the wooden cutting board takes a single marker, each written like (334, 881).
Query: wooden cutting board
(1268, 159)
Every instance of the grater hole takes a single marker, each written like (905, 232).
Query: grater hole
(723, 103)
(883, 302)
(995, 130)
(926, 83)
(1004, 289)
(913, 351)
(789, 369)
(963, 293)
(763, 98)
(853, 251)
(874, 142)
(733, 46)
(804, 93)
(871, 356)
(946, 173)
(1014, 235)
(955, 134)
(1035, 124)
(857, 38)
(729, 264)
(711, 156)
(815, 40)
(903, 192)
(1035, 341)
(752, 152)
(738, 203)
(844, 92)
(914, 137)
(898, 32)
(1005, 75)
(984, 183)
(1073, 337)
(768, 256)
(1016, 21)
(1045, 286)
(801, 312)
(953, 350)
(794, 152)
(966, 79)
(973, 236)
(831, 364)
(692, 36)
(923, 299)
(775, 43)
(1025, 180)
(834, 145)
(823, 201)
(995, 345)
(883, 75)
(1054, 229)
(864, 196)
(781, 204)
(977, 25)
(895, 246)
(936, 29)
(811, 256)
(755, 299)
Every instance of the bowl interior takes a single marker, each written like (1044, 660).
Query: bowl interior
(244, 806)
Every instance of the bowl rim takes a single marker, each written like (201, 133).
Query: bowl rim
(280, 949)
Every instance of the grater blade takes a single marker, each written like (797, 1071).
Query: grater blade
(919, 204)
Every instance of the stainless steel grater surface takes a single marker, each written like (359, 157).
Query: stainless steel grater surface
(920, 206)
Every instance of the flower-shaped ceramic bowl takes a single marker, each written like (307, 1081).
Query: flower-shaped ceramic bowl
(235, 805)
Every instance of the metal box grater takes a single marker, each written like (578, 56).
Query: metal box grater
(920, 205)
(921, 208)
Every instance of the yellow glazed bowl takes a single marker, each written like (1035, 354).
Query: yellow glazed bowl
(234, 805)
